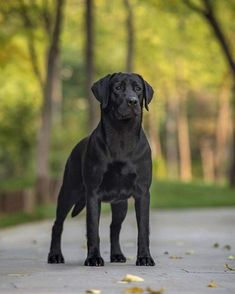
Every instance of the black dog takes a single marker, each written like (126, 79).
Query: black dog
(112, 164)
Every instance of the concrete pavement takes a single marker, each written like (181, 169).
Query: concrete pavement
(182, 244)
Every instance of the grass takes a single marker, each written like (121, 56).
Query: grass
(41, 212)
(190, 195)
(15, 184)
(163, 195)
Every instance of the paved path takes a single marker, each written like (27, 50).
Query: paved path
(23, 252)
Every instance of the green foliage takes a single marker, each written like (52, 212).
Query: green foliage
(13, 184)
(19, 105)
(41, 212)
(175, 50)
(67, 135)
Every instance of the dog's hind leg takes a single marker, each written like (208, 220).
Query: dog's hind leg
(119, 211)
(64, 205)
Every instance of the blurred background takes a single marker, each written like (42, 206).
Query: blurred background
(51, 51)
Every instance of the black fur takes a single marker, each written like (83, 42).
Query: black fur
(112, 164)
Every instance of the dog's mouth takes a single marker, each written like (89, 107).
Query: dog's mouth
(126, 116)
(129, 115)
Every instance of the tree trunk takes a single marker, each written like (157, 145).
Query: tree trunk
(57, 94)
(154, 135)
(207, 156)
(42, 168)
(184, 141)
(171, 139)
(223, 131)
(28, 25)
(130, 36)
(93, 113)
(209, 15)
(232, 167)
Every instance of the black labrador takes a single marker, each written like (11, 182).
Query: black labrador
(111, 165)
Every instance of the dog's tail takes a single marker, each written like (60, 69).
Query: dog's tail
(78, 207)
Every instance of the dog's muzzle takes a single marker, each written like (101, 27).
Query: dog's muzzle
(132, 101)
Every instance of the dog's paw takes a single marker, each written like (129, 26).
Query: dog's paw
(55, 258)
(117, 258)
(94, 261)
(145, 261)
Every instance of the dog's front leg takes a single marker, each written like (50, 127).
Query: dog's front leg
(142, 216)
(93, 206)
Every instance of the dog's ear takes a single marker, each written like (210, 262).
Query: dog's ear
(101, 91)
(148, 93)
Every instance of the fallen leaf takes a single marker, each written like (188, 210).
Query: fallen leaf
(229, 267)
(175, 257)
(134, 290)
(151, 291)
(216, 245)
(190, 252)
(212, 284)
(131, 278)
(93, 291)
(228, 247)
(231, 257)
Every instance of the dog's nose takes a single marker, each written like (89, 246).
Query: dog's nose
(132, 101)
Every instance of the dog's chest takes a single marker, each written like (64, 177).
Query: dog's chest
(118, 182)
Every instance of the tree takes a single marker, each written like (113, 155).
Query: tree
(47, 86)
(171, 138)
(223, 129)
(209, 14)
(183, 139)
(89, 64)
(42, 171)
(130, 36)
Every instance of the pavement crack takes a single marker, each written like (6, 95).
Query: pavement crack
(204, 272)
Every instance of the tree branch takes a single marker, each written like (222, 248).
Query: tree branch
(220, 35)
(47, 18)
(208, 13)
(195, 7)
(54, 44)
(31, 42)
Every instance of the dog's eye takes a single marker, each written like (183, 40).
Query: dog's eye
(118, 88)
(137, 88)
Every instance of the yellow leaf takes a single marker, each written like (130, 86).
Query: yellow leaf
(151, 291)
(229, 267)
(131, 278)
(190, 252)
(134, 290)
(93, 291)
(231, 257)
(212, 284)
(175, 257)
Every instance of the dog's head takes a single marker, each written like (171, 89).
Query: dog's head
(123, 94)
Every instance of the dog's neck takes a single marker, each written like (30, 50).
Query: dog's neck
(121, 136)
